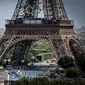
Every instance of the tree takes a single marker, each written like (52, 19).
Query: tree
(40, 81)
(66, 62)
(72, 72)
(80, 61)
(24, 81)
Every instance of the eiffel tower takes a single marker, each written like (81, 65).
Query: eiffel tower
(26, 26)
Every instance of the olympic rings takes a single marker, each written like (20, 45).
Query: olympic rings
(30, 10)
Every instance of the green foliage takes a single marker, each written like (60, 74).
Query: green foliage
(24, 81)
(47, 81)
(72, 72)
(61, 82)
(79, 81)
(41, 48)
(1, 67)
(66, 62)
(60, 71)
(40, 81)
(67, 82)
(80, 61)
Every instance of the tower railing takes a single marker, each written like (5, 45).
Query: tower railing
(39, 21)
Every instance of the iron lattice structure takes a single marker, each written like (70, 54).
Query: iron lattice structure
(52, 9)
(26, 27)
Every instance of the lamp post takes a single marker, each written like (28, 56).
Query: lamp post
(22, 63)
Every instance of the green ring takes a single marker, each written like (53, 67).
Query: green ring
(35, 11)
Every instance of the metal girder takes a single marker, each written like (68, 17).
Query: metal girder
(52, 9)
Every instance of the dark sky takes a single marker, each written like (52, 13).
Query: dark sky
(75, 10)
